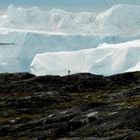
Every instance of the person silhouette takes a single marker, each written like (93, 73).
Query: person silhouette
(68, 72)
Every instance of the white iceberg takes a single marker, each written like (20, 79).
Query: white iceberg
(107, 59)
(118, 20)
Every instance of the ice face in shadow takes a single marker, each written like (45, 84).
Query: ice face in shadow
(106, 60)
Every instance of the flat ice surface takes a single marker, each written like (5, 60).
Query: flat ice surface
(37, 41)
(107, 59)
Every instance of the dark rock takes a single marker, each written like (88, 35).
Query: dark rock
(74, 107)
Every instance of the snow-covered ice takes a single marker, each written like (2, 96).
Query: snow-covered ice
(55, 41)
(107, 59)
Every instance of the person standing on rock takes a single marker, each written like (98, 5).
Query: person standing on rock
(68, 72)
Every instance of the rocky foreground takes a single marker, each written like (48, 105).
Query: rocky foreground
(75, 107)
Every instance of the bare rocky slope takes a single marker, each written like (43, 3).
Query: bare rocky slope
(75, 107)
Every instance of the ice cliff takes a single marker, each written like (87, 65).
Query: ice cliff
(108, 59)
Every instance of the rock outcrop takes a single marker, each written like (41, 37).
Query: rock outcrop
(74, 107)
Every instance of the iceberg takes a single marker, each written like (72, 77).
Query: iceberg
(108, 59)
(118, 20)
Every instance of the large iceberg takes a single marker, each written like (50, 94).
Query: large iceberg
(120, 20)
(55, 20)
(107, 59)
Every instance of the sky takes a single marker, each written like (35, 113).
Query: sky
(68, 4)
